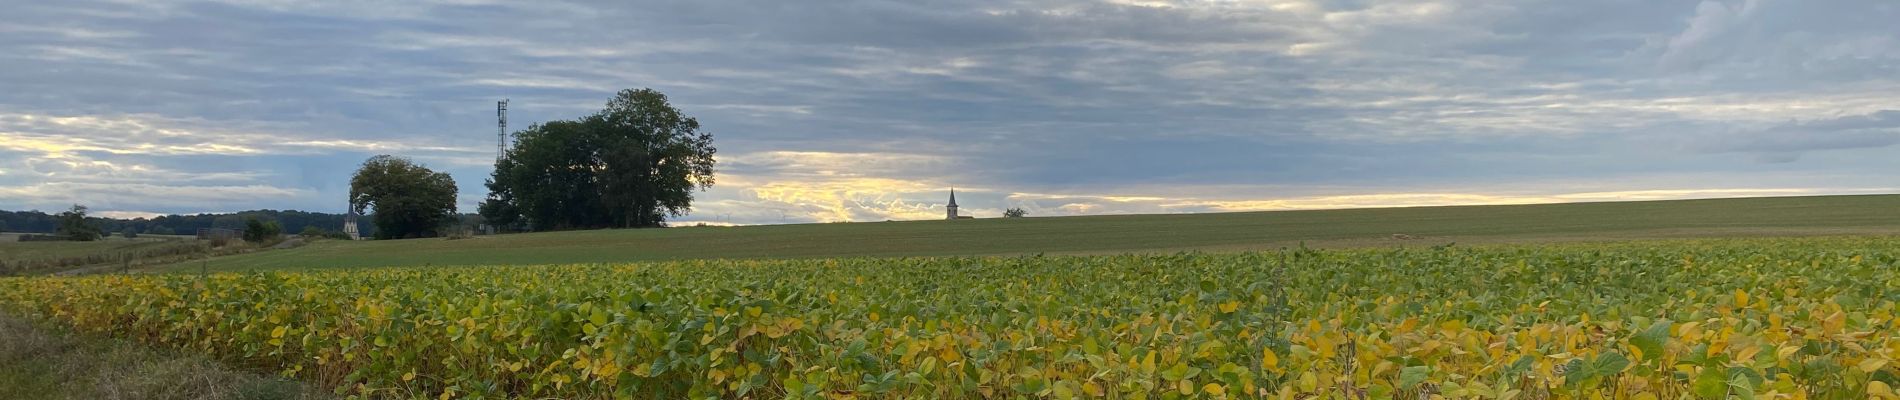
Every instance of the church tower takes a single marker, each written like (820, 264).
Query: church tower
(951, 209)
(349, 226)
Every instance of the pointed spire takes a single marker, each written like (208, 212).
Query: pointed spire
(953, 197)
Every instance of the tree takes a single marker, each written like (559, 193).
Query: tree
(73, 225)
(129, 233)
(160, 230)
(259, 231)
(228, 221)
(1014, 212)
(633, 164)
(409, 200)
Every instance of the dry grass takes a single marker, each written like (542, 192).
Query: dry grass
(41, 363)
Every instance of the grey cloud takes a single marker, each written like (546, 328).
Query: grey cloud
(1787, 42)
(1786, 142)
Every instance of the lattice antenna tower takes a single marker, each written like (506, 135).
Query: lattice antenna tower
(501, 129)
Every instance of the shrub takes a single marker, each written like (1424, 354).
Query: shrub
(73, 225)
(312, 231)
(256, 231)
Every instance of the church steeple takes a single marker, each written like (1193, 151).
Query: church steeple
(950, 210)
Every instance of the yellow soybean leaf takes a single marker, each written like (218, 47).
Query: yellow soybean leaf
(409, 376)
(1213, 388)
(1872, 364)
(279, 332)
(791, 324)
(1834, 323)
(1269, 360)
(1879, 389)
(753, 311)
(1452, 326)
(1229, 307)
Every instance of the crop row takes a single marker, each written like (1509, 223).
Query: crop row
(1765, 318)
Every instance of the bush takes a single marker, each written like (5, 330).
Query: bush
(130, 233)
(43, 238)
(256, 231)
(312, 231)
(73, 225)
(1014, 212)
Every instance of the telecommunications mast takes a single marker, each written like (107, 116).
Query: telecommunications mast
(501, 129)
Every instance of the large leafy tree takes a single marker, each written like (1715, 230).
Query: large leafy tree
(409, 200)
(633, 164)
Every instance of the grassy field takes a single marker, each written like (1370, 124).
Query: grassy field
(1779, 216)
(11, 249)
(28, 258)
(57, 364)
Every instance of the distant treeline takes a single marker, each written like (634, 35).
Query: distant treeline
(293, 222)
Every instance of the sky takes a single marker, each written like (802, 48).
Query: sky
(870, 110)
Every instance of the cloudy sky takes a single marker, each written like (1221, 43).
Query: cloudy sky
(870, 110)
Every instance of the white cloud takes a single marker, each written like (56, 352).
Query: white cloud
(121, 196)
(1713, 19)
(125, 214)
(1086, 205)
(156, 135)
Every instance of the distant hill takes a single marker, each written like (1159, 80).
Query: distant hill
(1114, 234)
(293, 222)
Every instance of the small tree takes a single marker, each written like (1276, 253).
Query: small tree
(129, 233)
(73, 225)
(160, 230)
(409, 200)
(1014, 212)
(256, 231)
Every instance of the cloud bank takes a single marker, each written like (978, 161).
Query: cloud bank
(867, 110)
